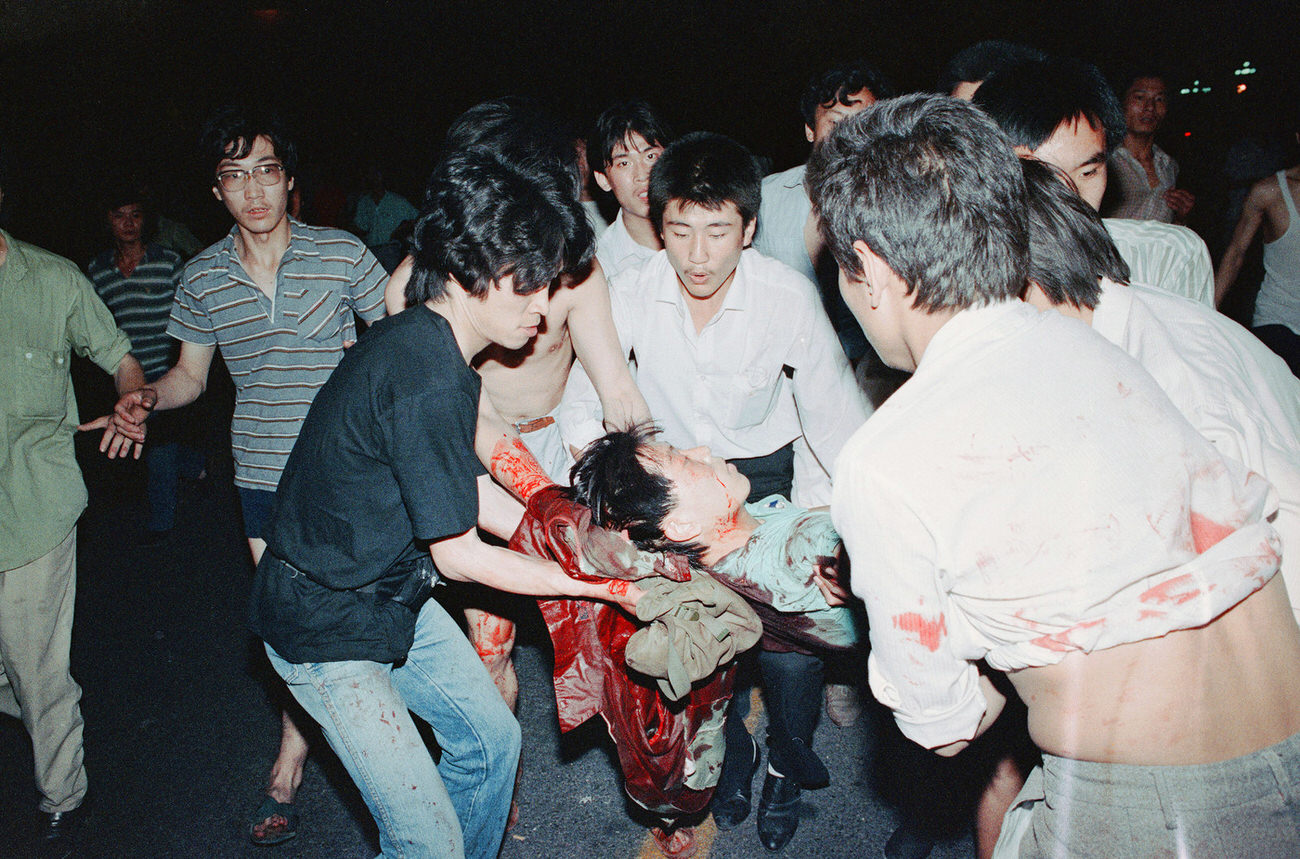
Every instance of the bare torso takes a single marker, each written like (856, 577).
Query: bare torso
(527, 383)
(1194, 696)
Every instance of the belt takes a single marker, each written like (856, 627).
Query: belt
(535, 424)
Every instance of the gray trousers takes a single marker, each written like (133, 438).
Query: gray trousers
(36, 602)
(1247, 807)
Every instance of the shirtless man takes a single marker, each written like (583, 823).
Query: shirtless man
(1270, 208)
(1031, 499)
(525, 385)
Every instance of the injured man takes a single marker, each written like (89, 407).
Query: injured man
(784, 560)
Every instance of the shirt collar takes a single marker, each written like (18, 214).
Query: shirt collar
(298, 244)
(667, 288)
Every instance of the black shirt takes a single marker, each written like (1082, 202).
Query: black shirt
(384, 464)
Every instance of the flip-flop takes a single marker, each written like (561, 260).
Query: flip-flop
(273, 834)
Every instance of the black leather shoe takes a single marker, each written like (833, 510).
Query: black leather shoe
(778, 811)
(730, 805)
(59, 833)
(908, 842)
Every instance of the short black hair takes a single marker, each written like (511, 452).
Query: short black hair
(838, 84)
(616, 122)
(709, 170)
(522, 131)
(1132, 72)
(1069, 248)
(1030, 100)
(982, 60)
(231, 131)
(485, 218)
(934, 189)
(612, 477)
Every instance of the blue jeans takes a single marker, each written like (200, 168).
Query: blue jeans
(422, 810)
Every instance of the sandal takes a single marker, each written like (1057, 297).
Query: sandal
(675, 843)
(272, 823)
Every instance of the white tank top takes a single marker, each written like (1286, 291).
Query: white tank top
(1279, 295)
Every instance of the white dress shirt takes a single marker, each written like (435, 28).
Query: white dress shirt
(1166, 256)
(1228, 385)
(1028, 493)
(765, 371)
(617, 251)
(1137, 199)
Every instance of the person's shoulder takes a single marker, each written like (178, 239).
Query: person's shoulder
(1173, 236)
(100, 264)
(210, 260)
(164, 254)
(792, 178)
(325, 236)
(45, 263)
(776, 275)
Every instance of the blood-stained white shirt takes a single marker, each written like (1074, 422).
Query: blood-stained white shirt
(1228, 385)
(765, 371)
(1028, 493)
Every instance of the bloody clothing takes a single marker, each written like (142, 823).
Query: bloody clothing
(670, 752)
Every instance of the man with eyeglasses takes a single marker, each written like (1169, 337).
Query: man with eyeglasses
(279, 298)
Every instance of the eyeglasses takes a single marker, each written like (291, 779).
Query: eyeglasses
(237, 180)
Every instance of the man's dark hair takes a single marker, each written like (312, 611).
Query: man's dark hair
(484, 218)
(614, 125)
(613, 478)
(933, 188)
(709, 170)
(1069, 248)
(837, 84)
(982, 60)
(1131, 73)
(231, 131)
(521, 131)
(1031, 100)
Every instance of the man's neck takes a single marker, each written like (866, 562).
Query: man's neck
(468, 340)
(728, 535)
(1140, 146)
(263, 251)
(128, 255)
(642, 231)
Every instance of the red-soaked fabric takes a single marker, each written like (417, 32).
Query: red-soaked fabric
(653, 735)
(586, 551)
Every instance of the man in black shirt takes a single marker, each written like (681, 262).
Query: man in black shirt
(381, 497)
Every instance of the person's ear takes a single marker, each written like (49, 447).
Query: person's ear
(749, 232)
(602, 180)
(808, 133)
(875, 272)
(680, 530)
(216, 192)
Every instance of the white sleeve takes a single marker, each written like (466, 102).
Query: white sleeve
(912, 667)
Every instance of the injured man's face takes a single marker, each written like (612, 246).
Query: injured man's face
(708, 493)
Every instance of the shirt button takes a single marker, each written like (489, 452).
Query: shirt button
(29, 354)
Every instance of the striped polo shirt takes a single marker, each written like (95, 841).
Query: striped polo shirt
(141, 303)
(279, 353)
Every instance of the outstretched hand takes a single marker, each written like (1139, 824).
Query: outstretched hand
(124, 429)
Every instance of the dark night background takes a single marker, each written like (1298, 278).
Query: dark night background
(93, 87)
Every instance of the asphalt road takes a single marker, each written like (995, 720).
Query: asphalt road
(181, 721)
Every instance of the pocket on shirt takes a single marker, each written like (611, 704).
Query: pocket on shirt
(41, 383)
(751, 396)
(320, 314)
